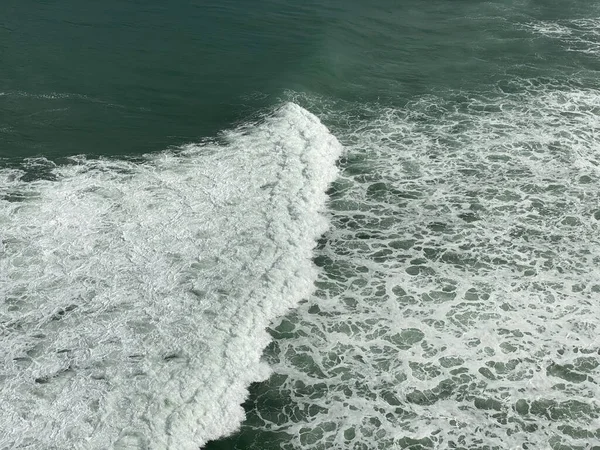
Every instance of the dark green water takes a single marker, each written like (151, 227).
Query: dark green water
(456, 304)
(131, 77)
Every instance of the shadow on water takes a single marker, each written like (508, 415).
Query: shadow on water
(267, 398)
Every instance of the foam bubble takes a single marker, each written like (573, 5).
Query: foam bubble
(135, 295)
(457, 303)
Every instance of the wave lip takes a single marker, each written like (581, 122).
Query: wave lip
(137, 294)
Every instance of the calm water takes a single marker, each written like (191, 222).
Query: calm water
(273, 225)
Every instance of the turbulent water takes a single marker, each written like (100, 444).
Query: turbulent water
(385, 236)
(458, 307)
(136, 295)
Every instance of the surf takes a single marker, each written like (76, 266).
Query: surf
(455, 306)
(137, 292)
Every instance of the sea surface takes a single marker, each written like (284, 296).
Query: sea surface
(280, 224)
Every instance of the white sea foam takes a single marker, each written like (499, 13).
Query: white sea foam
(577, 35)
(458, 306)
(135, 295)
(46, 96)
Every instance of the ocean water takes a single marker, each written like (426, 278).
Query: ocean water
(273, 225)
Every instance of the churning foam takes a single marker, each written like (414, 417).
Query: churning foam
(577, 35)
(458, 303)
(135, 295)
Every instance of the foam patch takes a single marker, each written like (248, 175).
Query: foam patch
(457, 307)
(135, 294)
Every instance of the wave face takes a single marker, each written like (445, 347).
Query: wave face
(136, 294)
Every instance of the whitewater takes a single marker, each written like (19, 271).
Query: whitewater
(136, 293)
(426, 279)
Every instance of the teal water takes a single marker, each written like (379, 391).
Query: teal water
(163, 170)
